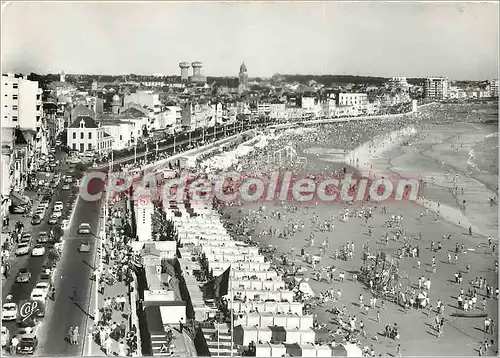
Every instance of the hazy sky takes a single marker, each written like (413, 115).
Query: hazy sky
(458, 40)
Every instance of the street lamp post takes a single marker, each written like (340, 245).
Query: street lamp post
(156, 149)
(174, 141)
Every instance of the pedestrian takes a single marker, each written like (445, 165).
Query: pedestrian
(378, 316)
(121, 349)
(75, 296)
(492, 326)
(180, 326)
(108, 344)
(76, 335)
(70, 335)
(13, 345)
(398, 351)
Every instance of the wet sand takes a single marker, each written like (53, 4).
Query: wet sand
(428, 149)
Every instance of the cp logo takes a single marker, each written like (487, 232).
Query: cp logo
(27, 309)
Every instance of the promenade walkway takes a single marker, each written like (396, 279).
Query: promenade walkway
(112, 334)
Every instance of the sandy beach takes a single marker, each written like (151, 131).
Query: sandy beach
(438, 149)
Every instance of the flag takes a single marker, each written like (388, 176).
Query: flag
(218, 287)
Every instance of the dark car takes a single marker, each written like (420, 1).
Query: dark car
(43, 237)
(36, 219)
(27, 344)
(17, 209)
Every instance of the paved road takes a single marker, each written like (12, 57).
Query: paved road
(34, 264)
(74, 270)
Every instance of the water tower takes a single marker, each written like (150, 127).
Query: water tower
(197, 77)
(184, 70)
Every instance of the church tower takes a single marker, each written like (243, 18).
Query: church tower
(243, 78)
(62, 77)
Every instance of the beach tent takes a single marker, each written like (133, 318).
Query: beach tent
(306, 322)
(266, 319)
(292, 335)
(347, 350)
(280, 319)
(278, 334)
(243, 335)
(277, 350)
(307, 336)
(263, 350)
(264, 334)
(324, 351)
(308, 350)
(293, 349)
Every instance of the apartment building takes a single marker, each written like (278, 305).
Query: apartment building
(358, 100)
(85, 134)
(436, 88)
(273, 110)
(21, 103)
(493, 87)
(148, 99)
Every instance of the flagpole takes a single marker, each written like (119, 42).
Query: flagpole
(231, 308)
(218, 338)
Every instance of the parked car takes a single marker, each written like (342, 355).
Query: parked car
(53, 219)
(65, 224)
(38, 250)
(65, 186)
(57, 213)
(43, 237)
(84, 247)
(23, 276)
(36, 219)
(26, 238)
(40, 291)
(22, 249)
(27, 344)
(9, 311)
(84, 228)
(17, 209)
(58, 205)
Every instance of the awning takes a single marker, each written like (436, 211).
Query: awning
(18, 199)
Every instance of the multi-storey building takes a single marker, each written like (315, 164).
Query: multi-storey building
(148, 99)
(436, 88)
(493, 87)
(358, 100)
(21, 103)
(273, 110)
(85, 134)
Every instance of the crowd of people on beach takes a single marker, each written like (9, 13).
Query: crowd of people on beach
(379, 274)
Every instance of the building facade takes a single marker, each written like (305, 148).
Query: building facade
(358, 100)
(85, 134)
(21, 103)
(147, 99)
(436, 88)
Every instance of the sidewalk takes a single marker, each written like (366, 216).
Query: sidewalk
(91, 345)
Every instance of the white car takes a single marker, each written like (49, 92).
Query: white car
(9, 311)
(65, 224)
(22, 249)
(38, 250)
(57, 213)
(40, 292)
(53, 220)
(5, 336)
(58, 205)
(65, 186)
(84, 228)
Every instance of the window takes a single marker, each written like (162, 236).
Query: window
(90, 146)
(14, 85)
(14, 107)
(74, 136)
(14, 118)
(121, 137)
(81, 135)
(14, 96)
(90, 135)
(74, 144)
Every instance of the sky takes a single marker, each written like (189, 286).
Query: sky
(456, 40)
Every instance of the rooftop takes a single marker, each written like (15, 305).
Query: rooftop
(89, 122)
